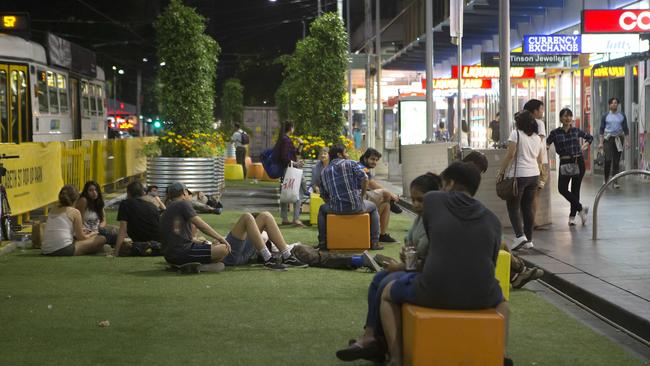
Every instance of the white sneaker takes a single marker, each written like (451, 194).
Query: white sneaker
(528, 245)
(518, 242)
(572, 221)
(212, 267)
(584, 214)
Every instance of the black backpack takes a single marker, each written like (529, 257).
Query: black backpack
(245, 140)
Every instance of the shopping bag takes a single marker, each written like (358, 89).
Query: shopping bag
(290, 192)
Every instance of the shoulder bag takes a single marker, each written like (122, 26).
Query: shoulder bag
(507, 187)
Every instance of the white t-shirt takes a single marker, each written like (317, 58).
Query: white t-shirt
(528, 150)
(541, 128)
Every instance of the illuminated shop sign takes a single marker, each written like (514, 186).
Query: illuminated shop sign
(610, 43)
(558, 44)
(478, 72)
(524, 60)
(615, 21)
(444, 84)
(611, 71)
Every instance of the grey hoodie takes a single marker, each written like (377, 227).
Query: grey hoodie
(464, 240)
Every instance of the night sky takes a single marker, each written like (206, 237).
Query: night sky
(251, 33)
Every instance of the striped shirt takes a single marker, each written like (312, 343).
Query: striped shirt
(341, 185)
(568, 143)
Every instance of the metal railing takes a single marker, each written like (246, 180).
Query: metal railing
(602, 189)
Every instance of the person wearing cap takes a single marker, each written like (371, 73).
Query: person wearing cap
(242, 243)
(138, 218)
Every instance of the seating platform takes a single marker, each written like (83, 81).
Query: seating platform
(348, 232)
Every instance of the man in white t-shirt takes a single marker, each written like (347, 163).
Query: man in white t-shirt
(536, 107)
(240, 147)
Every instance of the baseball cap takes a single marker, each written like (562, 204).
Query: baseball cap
(176, 190)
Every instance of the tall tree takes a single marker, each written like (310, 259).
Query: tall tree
(188, 76)
(314, 85)
(232, 104)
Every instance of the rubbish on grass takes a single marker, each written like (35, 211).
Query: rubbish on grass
(49, 306)
(104, 324)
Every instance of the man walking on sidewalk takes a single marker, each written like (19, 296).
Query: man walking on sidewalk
(613, 133)
(240, 139)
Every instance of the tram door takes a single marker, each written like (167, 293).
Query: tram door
(16, 121)
(74, 108)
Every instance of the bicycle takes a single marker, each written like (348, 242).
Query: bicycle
(5, 209)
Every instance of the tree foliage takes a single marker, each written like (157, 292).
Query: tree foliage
(311, 94)
(232, 104)
(188, 78)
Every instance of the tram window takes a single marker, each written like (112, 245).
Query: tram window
(42, 92)
(4, 121)
(100, 100)
(93, 100)
(62, 84)
(52, 92)
(84, 99)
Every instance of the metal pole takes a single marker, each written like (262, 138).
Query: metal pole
(504, 69)
(339, 8)
(138, 106)
(429, 68)
(115, 96)
(459, 112)
(379, 116)
(304, 29)
(370, 133)
(320, 10)
(350, 113)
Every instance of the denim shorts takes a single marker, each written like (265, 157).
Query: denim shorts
(241, 251)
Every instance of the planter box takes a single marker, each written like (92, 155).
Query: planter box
(199, 174)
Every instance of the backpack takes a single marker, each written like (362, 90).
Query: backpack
(271, 166)
(245, 140)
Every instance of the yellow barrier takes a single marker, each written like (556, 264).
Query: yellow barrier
(35, 179)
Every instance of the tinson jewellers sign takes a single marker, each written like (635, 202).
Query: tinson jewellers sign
(559, 44)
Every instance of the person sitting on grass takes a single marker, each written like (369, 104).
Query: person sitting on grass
(64, 234)
(343, 188)
(368, 345)
(459, 272)
(91, 206)
(139, 221)
(520, 274)
(382, 198)
(152, 196)
(243, 242)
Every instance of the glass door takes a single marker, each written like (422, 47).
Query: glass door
(14, 105)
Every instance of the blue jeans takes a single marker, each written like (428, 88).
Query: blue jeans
(370, 208)
(376, 288)
(284, 207)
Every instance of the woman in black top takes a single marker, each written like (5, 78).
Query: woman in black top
(569, 147)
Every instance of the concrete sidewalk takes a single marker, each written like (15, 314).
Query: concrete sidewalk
(611, 275)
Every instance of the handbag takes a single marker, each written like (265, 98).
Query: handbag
(507, 188)
(290, 191)
(570, 169)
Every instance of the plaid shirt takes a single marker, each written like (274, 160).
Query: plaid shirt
(568, 143)
(341, 185)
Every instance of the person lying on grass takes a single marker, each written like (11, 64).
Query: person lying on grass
(64, 234)
(464, 241)
(243, 242)
(369, 345)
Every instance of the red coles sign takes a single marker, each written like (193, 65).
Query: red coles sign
(615, 21)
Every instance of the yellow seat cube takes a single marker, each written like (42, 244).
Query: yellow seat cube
(502, 273)
(233, 172)
(348, 232)
(314, 204)
(452, 337)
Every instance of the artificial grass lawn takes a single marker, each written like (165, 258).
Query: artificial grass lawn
(244, 316)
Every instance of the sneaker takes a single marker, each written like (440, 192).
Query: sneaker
(584, 214)
(386, 238)
(212, 267)
(294, 262)
(384, 260)
(376, 246)
(529, 274)
(273, 266)
(394, 208)
(518, 242)
(528, 245)
(370, 263)
(108, 250)
(572, 221)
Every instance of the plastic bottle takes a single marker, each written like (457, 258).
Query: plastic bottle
(411, 257)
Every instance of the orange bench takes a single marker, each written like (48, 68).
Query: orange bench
(348, 232)
(452, 337)
(255, 171)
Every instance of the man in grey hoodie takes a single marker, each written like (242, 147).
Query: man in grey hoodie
(464, 240)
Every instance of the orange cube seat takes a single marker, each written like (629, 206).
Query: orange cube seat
(230, 161)
(255, 171)
(452, 337)
(348, 232)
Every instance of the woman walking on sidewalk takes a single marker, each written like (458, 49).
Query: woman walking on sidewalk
(572, 164)
(287, 153)
(523, 161)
